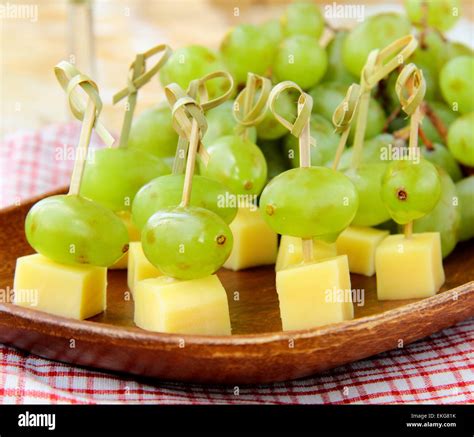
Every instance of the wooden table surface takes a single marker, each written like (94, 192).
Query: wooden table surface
(29, 94)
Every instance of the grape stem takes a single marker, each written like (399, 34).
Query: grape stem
(82, 148)
(425, 140)
(392, 116)
(436, 121)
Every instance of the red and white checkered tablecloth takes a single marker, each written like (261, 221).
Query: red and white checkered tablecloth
(439, 369)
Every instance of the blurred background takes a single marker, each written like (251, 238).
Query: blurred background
(29, 48)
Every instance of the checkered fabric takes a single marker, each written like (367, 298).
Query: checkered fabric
(439, 369)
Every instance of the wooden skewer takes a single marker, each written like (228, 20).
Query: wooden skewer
(413, 144)
(138, 69)
(190, 163)
(341, 147)
(249, 97)
(304, 144)
(82, 148)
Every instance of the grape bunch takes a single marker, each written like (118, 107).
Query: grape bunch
(245, 150)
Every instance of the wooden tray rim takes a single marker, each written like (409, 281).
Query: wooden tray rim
(43, 322)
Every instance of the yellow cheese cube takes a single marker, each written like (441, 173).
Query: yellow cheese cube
(133, 235)
(138, 266)
(73, 291)
(315, 294)
(409, 268)
(198, 306)
(359, 244)
(255, 244)
(290, 251)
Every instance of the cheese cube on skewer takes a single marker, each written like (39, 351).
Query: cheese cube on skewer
(74, 291)
(359, 244)
(409, 268)
(139, 267)
(255, 244)
(197, 306)
(290, 251)
(315, 294)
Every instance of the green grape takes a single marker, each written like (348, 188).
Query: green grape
(113, 176)
(166, 191)
(442, 157)
(221, 122)
(444, 113)
(336, 70)
(186, 242)
(374, 150)
(432, 53)
(246, 48)
(445, 218)
(375, 32)
(71, 229)
(309, 202)
(192, 62)
(326, 143)
(237, 163)
(327, 96)
(410, 189)
(276, 162)
(270, 128)
(300, 59)
(456, 49)
(441, 14)
(368, 180)
(457, 83)
(303, 18)
(465, 192)
(272, 29)
(461, 139)
(433, 50)
(152, 131)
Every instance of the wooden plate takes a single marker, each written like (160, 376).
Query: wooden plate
(258, 352)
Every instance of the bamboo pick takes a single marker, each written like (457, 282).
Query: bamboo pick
(342, 119)
(190, 164)
(82, 149)
(71, 79)
(197, 90)
(138, 76)
(411, 88)
(300, 128)
(380, 63)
